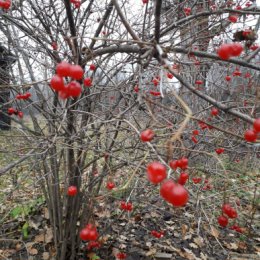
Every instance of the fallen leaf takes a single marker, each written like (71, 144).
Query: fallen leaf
(199, 241)
(45, 256)
(214, 232)
(184, 229)
(151, 252)
(39, 238)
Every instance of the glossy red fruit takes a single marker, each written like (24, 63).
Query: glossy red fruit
(84, 234)
(110, 185)
(155, 82)
(195, 132)
(169, 75)
(232, 213)
(72, 191)
(199, 82)
(89, 233)
(74, 89)
(196, 180)
(194, 139)
(20, 114)
(178, 196)
(127, 206)
(147, 135)
(250, 135)
(165, 190)
(57, 83)
(224, 51)
(63, 69)
(223, 221)
(76, 72)
(145, 1)
(220, 150)
(92, 67)
(228, 78)
(183, 178)
(232, 18)
(237, 72)
(5, 4)
(226, 208)
(11, 110)
(256, 125)
(136, 89)
(156, 172)
(157, 234)
(121, 255)
(87, 82)
(174, 164)
(183, 163)
(214, 111)
(236, 49)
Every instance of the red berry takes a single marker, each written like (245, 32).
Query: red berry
(226, 208)
(11, 110)
(196, 180)
(145, 1)
(236, 49)
(237, 72)
(194, 139)
(199, 82)
(84, 234)
(87, 82)
(128, 206)
(256, 125)
(183, 178)
(220, 150)
(155, 93)
(72, 191)
(254, 47)
(74, 89)
(232, 18)
(178, 196)
(5, 4)
(76, 72)
(63, 69)
(136, 89)
(147, 135)
(57, 83)
(156, 172)
(214, 111)
(166, 188)
(228, 78)
(174, 164)
(223, 221)
(232, 213)
(169, 75)
(92, 67)
(110, 185)
(157, 234)
(155, 82)
(20, 114)
(224, 51)
(183, 163)
(250, 135)
(195, 132)
(121, 255)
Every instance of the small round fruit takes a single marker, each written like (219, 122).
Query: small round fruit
(228, 78)
(110, 185)
(183, 163)
(84, 234)
(178, 196)
(63, 69)
(195, 132)
(92, 67)
(250, 135)
(223, 221)
(72, 191)
(226, 208)
(174, 164)
(224, 51)
(256, 125)
(166, 188)
(236, 49)
(183, 178)
(232, 213)
(147, 135)
(87, 82)
(74, 89)
(156, 172)
(76, 72)
(57, 83)
(214, 111)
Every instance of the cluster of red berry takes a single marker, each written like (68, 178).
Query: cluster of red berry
(127, 206)
(220, 150)
(93, 244)
(121, 255)
(13, 111)
(5, 4)
(76, 3)
(230, 212)
(229, 50)
(157, 234)
(187, 11)
(24, 96)
(110, 185)
(250, 135)
(180, 163)
(89, 233)
(72, 89)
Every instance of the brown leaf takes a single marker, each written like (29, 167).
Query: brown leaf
(45, 256)
(199, 241)
(151, 252)
(33, 251)
(184, 229)
(48, 236)
(39, 238)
